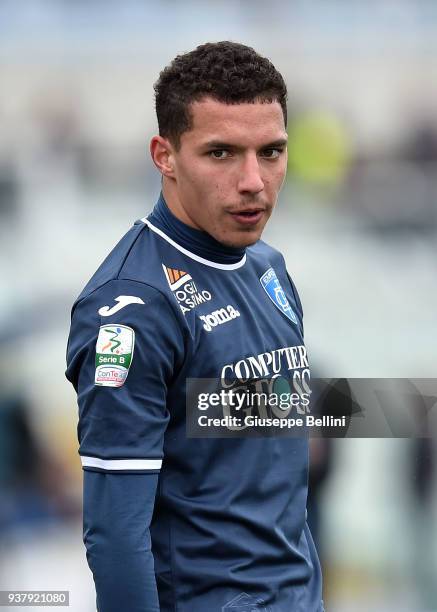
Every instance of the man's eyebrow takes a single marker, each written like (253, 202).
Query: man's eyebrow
(221, 144)
(277, 143)
(218, 144)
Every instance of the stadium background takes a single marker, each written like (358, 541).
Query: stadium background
(357, 223)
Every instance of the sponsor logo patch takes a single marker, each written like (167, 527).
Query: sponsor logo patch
(218, 317)
(114, 352)
(184, 289)
(176, 278)
(271, 285)
(123, 300)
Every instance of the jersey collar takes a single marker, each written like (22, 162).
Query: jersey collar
(194, 243)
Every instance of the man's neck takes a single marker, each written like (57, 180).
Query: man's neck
(175, 205)
(191, 238)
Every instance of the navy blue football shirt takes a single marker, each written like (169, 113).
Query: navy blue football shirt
(173, 523)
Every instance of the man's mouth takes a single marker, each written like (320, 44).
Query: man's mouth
(249, 216)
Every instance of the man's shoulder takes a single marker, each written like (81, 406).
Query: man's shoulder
(263, 250)
(132, 260)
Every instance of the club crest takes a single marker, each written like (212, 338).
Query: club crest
(271, 285)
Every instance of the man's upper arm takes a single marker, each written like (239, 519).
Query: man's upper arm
(125, 346)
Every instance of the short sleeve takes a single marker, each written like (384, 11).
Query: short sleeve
(124, 349)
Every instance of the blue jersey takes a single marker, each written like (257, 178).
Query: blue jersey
(175, 523)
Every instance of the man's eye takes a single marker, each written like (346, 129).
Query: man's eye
(219, 154)
(272, 153)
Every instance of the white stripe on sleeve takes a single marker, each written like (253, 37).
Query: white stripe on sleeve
(121, 464)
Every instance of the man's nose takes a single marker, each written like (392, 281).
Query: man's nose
(250, 180)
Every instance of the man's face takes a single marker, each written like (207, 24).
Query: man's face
(229, 169)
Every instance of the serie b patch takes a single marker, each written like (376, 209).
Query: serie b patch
(114, 352)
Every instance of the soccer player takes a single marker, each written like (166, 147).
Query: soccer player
(174, 523)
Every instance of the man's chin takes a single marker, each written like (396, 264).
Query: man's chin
(246, 239)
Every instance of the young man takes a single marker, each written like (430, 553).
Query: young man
(174, 523)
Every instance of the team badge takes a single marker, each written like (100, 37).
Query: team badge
(272, 287)
(114, 352)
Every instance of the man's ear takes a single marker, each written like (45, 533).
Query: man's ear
(162, 153)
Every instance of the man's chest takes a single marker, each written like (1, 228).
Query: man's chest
(246, 338)
(245, 323)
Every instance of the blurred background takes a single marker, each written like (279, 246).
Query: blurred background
(356, 221)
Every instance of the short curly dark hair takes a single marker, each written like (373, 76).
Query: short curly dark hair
(226, 71)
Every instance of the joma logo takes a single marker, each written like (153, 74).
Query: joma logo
(218, 317)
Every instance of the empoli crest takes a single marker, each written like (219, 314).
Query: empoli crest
(272, 287)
